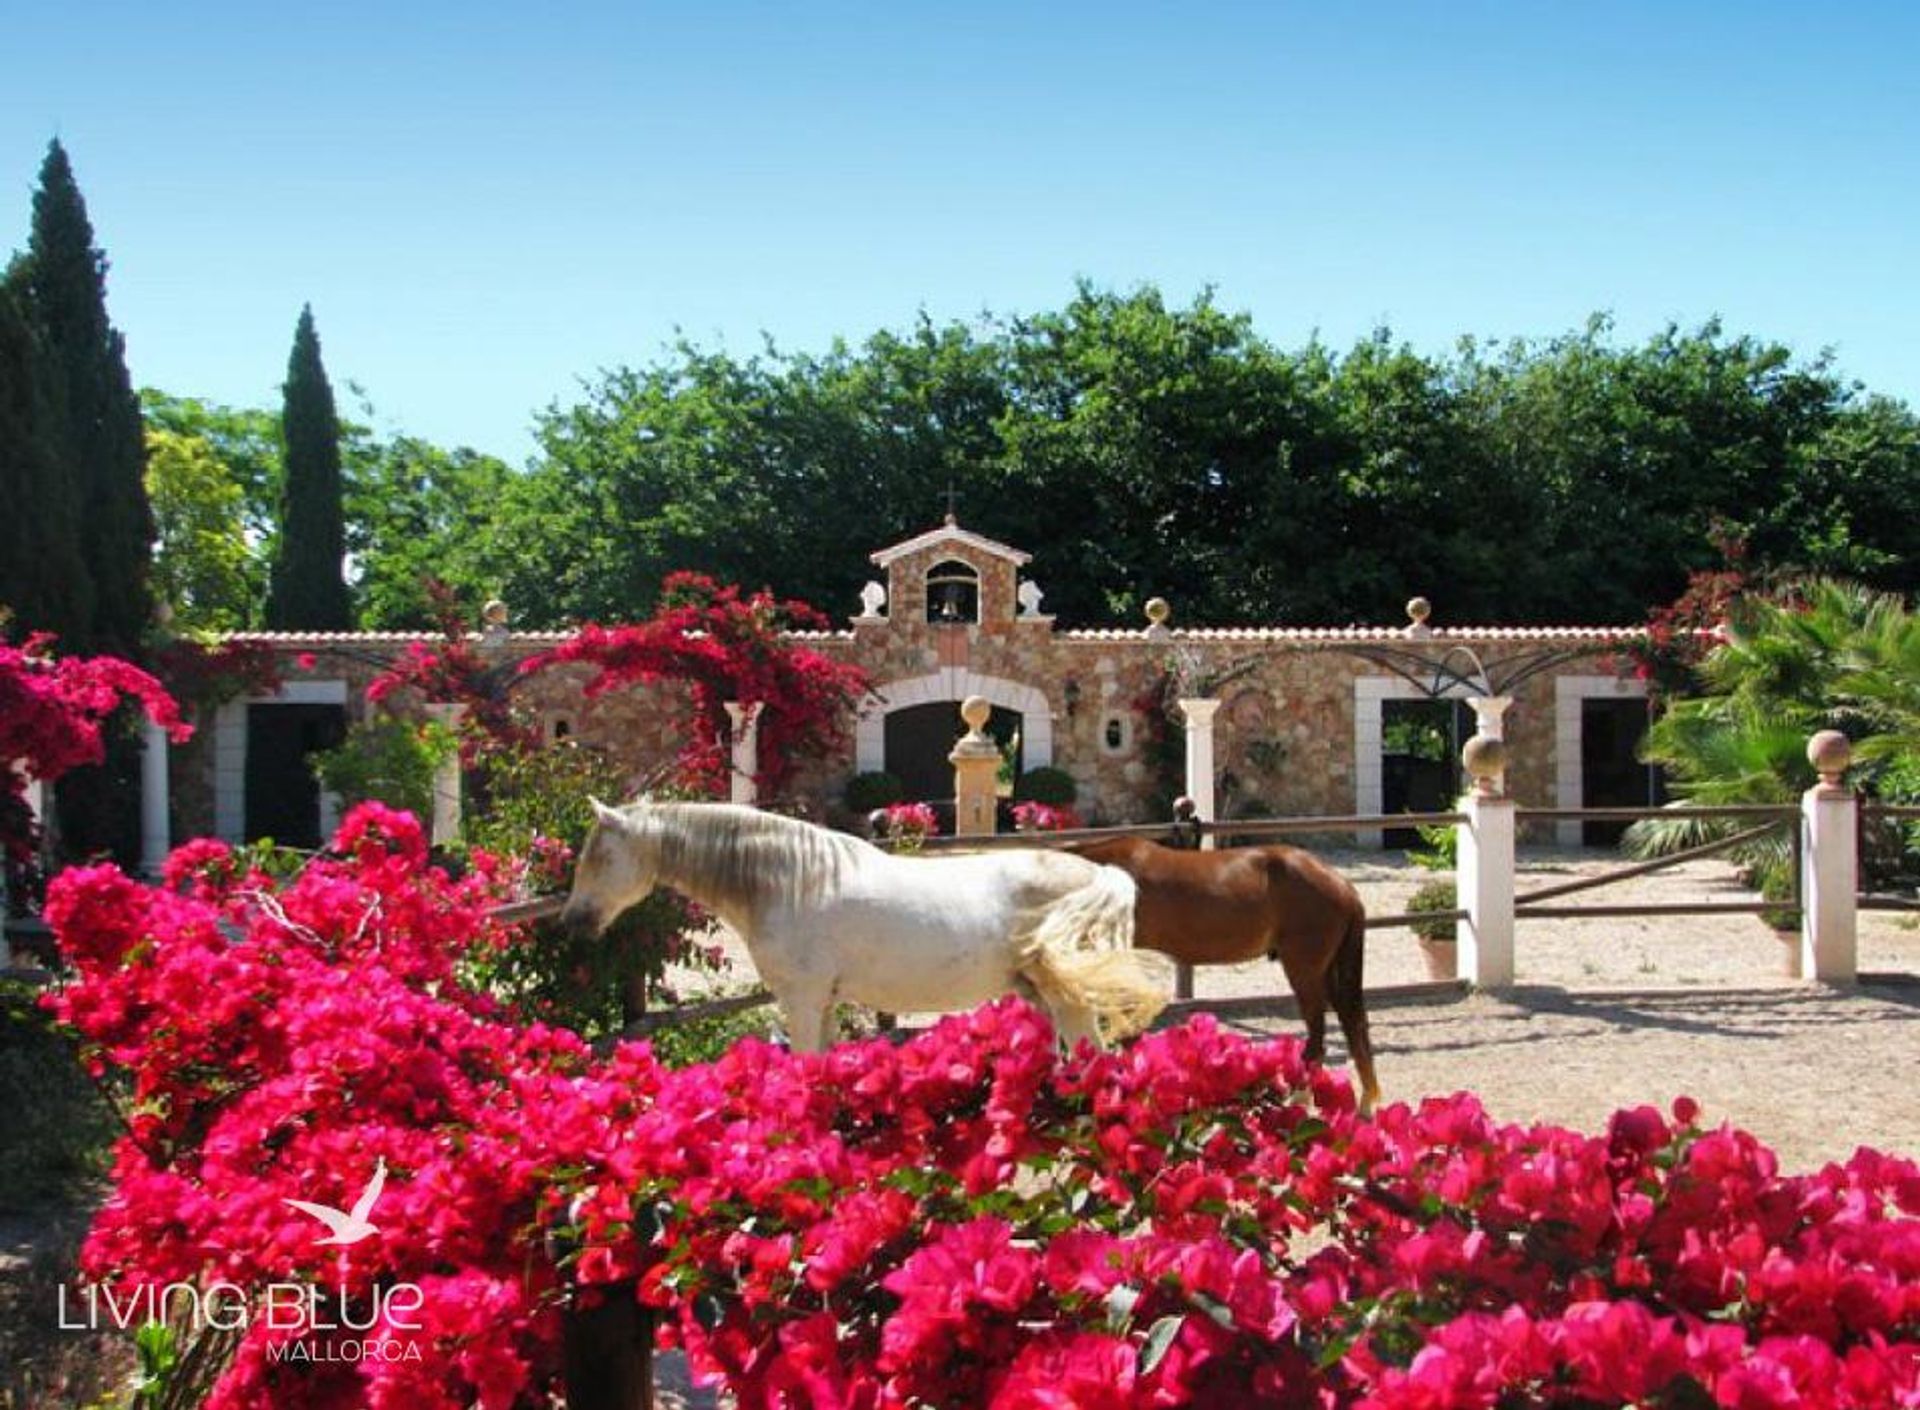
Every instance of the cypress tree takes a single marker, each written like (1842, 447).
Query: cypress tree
(308, 589)
(99, 454)
(43, 579)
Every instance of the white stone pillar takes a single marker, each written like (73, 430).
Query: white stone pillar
(36, 795)
(744, 776)
(155, 835)
(446, 780)
(1485, 875)
(1200, 767)
(1829, 866)
(1198, 715)
(976, 769)
(1489, 713)
(1489, 716)
(34, 798)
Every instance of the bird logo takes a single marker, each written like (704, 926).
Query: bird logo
(352, 1226)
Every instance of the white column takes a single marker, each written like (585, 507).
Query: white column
(976, 765)
(1829, 867)
(1489, 715)
(1200, 769)
(744, 776)
(155, 835)
(1485, 874)
(446, 780)
(1198, 715)
(34, 797)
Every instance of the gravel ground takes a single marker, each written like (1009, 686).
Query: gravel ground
(1612, 1012)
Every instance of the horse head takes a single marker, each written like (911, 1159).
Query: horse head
(617, 869)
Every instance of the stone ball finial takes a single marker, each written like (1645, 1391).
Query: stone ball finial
(495, 613)
(976, 710)
(1418, 610)
(1485, 760)
(1158, 610)
(1830, 752)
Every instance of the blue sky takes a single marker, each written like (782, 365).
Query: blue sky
(486, 203)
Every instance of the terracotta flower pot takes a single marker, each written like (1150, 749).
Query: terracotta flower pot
(1442, 956)
(1789, 951)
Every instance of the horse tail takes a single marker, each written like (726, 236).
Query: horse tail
(1080, 961)
(1346, 992)
(1118, 988)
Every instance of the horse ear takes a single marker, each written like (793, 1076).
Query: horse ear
(605, 816)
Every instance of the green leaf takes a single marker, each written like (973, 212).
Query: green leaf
(1159, 1337)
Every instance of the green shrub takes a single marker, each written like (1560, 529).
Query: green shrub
(594, 985)
(1439, 848)
(876, 789)
(59, 1123)
(1435, 896)
(389, 760)
(1054, 787)
(1777, 884)
(708, 1039)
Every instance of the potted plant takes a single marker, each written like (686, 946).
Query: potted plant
(1439, 937)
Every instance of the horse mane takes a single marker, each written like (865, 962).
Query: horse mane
(737, 857)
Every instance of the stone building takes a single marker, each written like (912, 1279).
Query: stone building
(1310, 721)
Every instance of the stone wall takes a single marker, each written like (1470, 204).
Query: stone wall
(1297, 733)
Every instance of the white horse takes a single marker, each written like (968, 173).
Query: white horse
(830, 918)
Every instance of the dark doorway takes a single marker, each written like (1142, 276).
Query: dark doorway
(920, 737)
(1611, 773)
(1420, 760)
(283, 796)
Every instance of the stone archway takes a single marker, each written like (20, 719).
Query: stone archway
(953, 686)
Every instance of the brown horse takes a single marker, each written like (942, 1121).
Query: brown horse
(1248, 902)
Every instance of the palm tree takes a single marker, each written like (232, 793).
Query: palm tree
(1819, 655)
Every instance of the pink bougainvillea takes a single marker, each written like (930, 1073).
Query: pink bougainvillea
(1045, 817)
(965, 1218)
(51, 714)
(912, 821)
(727, 646)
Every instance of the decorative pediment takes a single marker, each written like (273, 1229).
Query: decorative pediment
(949, 535)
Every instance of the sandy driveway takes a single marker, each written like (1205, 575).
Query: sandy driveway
(1611, 1012)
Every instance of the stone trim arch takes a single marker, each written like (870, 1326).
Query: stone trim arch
(955, 683)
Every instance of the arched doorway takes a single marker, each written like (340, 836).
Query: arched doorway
(943, 691)
(919, 738)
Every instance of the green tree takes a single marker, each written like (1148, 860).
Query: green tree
(246, 442)
(96, 442)
(307, 589)
(418, 514)
(1145, 448)
(203, 569)
(1814, 655)
(43, 579)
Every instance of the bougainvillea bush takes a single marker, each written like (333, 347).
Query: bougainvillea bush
(962, 1219)
(52, 711)
(727, 646)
